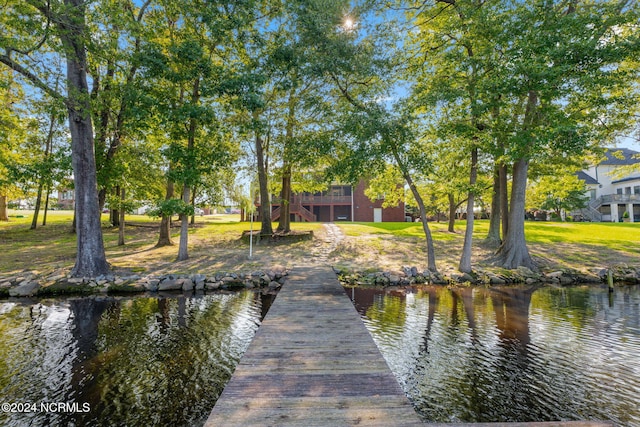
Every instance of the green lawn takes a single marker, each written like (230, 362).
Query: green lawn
(215, 245)
(612, 235)
(553, 245)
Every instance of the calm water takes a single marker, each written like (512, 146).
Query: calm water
(511, 354)
(134, 361)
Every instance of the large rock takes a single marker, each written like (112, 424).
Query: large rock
(525, 272)
(25, 289)
(152, 285)
(555, 274)
(187, 284)
(496, 280)
(170, 285)
(212, 286)
(274, 285)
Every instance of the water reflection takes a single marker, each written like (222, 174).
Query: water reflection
(134, 361)
(511, 353)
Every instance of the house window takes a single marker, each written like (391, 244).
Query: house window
(636, 189)
(340, 190)
(592, 194)
(619, 191)
(627, 190)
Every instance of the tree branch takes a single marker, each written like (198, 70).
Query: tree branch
(345, 92)
(32, 77)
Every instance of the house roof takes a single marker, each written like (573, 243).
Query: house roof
(630, 178)
(621, 157)
(588, 179)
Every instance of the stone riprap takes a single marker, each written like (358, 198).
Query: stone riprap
(31, 284)
(412, 275)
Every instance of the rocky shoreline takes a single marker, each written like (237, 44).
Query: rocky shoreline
(30, 284)
(412, 275)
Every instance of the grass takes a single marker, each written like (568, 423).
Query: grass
(215, 245)
(615, 236)
(553, 244)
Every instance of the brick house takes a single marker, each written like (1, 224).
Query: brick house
(338, 203)
(66, 199)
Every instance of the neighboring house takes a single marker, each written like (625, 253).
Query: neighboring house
(612, 194)
(338, 203)
(66, 199)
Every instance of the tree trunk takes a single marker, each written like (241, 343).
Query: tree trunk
(452, 213)
(114, 212)
(504, 198)
(183, 251)
(47, 149)
(164, 238)
(265, 203)
(493, 236)
(36, 210)
(90, 258)
(102, 126)
(121, 218)
(431, 253)
(193, 203)
(513, 252)
(284, 225)
(102, 199)
(46, 206)
(4, 214)
(465, 260)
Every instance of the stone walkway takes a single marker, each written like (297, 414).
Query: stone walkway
(331, 241)
(324, 244)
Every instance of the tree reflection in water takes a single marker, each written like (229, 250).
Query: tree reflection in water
(153, 361)
(513, 353)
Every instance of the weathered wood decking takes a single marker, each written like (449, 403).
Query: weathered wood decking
(313, 363)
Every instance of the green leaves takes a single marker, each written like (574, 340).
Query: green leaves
(556, 193)
(171, 207)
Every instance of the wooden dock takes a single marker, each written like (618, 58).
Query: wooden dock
(313, 363)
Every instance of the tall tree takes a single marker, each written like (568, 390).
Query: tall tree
(12, 131)
(120, 108)
(36, 27)
(450, 83)
(537, 75)
(563, 77)
(188, 59)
